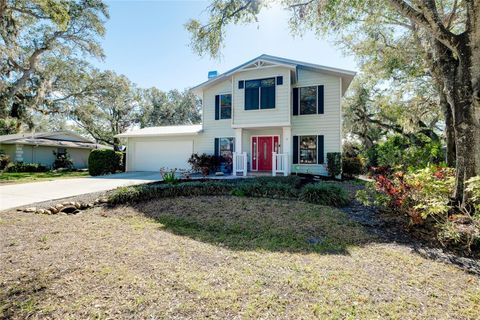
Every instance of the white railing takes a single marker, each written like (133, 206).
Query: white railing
(280, 163)
(239, 163)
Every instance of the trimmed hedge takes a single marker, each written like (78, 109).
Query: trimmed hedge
(334, 164)
(327, 194)
(25, 167)
(265, 190)
(104, 161)
(135, 194)
(274, 187)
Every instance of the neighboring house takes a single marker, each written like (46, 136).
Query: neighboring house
(39, 147)
(270, 113)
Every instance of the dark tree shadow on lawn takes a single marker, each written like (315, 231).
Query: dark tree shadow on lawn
(258, 224)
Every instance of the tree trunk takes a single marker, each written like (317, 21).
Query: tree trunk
(459, 92)
(473, 8)
(449, 130)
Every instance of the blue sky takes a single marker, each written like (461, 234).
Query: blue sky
(147, 42)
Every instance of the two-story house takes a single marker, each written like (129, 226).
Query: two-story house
(269, 114)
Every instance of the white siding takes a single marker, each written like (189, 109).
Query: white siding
(213, 128)
(327, 124)
(279, 115)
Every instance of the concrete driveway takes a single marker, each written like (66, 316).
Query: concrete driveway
(16, 195)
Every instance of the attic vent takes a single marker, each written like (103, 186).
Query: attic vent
(212, 74)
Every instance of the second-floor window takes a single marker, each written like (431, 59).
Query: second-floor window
(260, 94)
(223, 106)
(308, 100)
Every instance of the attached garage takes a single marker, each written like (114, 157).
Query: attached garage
(153, 155)
(150, 149)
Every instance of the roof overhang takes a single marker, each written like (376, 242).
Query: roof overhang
(55, 143)
(166, 131)
(265, 61)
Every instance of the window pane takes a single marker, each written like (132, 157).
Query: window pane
(268, 82)
(268, 98)
(226, 147)
(308, 149)
(251, 98)
(308, 100)
(225, 112)
(226, 100)
(252, 84)
(225, 106)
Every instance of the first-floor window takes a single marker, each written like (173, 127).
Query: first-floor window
(308, 149)
(225, 147)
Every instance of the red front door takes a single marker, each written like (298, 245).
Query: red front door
(264, 153)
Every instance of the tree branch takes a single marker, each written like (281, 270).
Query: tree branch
(428, 20)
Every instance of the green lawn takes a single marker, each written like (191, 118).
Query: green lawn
(219, 258)
(22, 177)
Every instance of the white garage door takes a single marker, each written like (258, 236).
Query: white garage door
(153, 155)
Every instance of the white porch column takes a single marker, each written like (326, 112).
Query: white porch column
(238, 140)
(287, 147)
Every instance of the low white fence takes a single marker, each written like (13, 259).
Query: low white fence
(280, 163)
(239, 163)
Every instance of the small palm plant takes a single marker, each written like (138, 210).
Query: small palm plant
(168, 175)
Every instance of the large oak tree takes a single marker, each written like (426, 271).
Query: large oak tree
(39, 41)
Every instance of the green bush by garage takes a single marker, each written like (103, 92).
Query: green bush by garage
(104, 161)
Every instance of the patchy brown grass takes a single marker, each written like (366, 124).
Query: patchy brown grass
(218, 257)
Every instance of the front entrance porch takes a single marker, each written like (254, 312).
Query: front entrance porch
(263, 150)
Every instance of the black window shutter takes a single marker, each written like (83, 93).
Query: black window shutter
(217, 147)
(241, 84)
(320, 101)
(295, 101)
(279, 80)
(295, 149)
(217, 107)
(320, 151)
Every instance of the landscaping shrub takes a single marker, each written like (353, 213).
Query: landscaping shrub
(268, 187)
(4, 160)
(204, 163)
(401, 153)
(62, 161)
(137, 194)
(327, 194)
(25, 167)
(104, 161)
(292, 181)
(425, 195)
(352, 166)
(265, 190)
(168, 175)
(334, 163)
